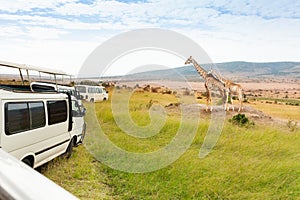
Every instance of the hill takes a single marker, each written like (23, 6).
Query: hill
(232, 70)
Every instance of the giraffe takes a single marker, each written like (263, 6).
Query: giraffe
(210, 82)
(231, 88)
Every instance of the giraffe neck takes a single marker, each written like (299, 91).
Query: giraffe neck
(199, 69)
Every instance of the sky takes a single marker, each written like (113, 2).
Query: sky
(60, 34)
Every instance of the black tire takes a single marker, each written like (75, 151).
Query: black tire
(70, 149)
(92, 100)
(28, 162)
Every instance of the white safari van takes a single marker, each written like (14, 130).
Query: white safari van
(92, 93)
(78, 111)
(39, 122)
(35, 127)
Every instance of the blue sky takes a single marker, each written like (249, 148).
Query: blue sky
(62, 33)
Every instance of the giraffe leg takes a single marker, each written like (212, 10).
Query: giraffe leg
(240, 100)
(210, 102)
(224, 101)
(240, 106)
(207, 97)
(232, 105)
(206, 108)
(227, 96)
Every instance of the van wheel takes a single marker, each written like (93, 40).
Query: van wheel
(92, 100)
(28, 162)
(70, 149)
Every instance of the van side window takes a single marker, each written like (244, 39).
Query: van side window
(91, 90)
(37, 112)
(57, 111)
(99, 90)
(16, 118)
(42, 88)
(23, 116)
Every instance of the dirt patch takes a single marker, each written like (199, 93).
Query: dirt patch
(194, 110)
(202, 108)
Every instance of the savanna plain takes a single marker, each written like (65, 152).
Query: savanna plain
(258, 158)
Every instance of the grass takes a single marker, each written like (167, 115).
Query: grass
(251, 165)
(259, 162)
(278, 110)
(285, 101)
(81, 175)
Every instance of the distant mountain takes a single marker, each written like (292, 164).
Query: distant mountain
(238, 71)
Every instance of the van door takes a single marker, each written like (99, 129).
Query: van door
(38, 128)
(78, 121)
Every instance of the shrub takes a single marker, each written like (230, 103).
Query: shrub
(245, 101)
(241, 120)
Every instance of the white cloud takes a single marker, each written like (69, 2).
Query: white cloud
(26, 20)
(28, 5)
(11, 31)
(63, 32)
(40, 33)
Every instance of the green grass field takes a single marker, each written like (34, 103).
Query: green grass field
(260, 162)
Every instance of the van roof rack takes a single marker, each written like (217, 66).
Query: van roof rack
(21, 67)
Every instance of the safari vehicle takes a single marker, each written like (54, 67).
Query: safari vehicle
(36, 127)
(92, 93)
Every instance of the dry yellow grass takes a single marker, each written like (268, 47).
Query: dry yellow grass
(278, 110)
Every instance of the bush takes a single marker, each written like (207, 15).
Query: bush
(245, 101)
(241, 120)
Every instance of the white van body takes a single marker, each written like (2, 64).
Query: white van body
(35, 127)
(92, 93)
(78, 111)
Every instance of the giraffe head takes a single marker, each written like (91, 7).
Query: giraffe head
(189, 60)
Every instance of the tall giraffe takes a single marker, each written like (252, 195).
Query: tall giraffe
(231, 88)
(210, 82)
